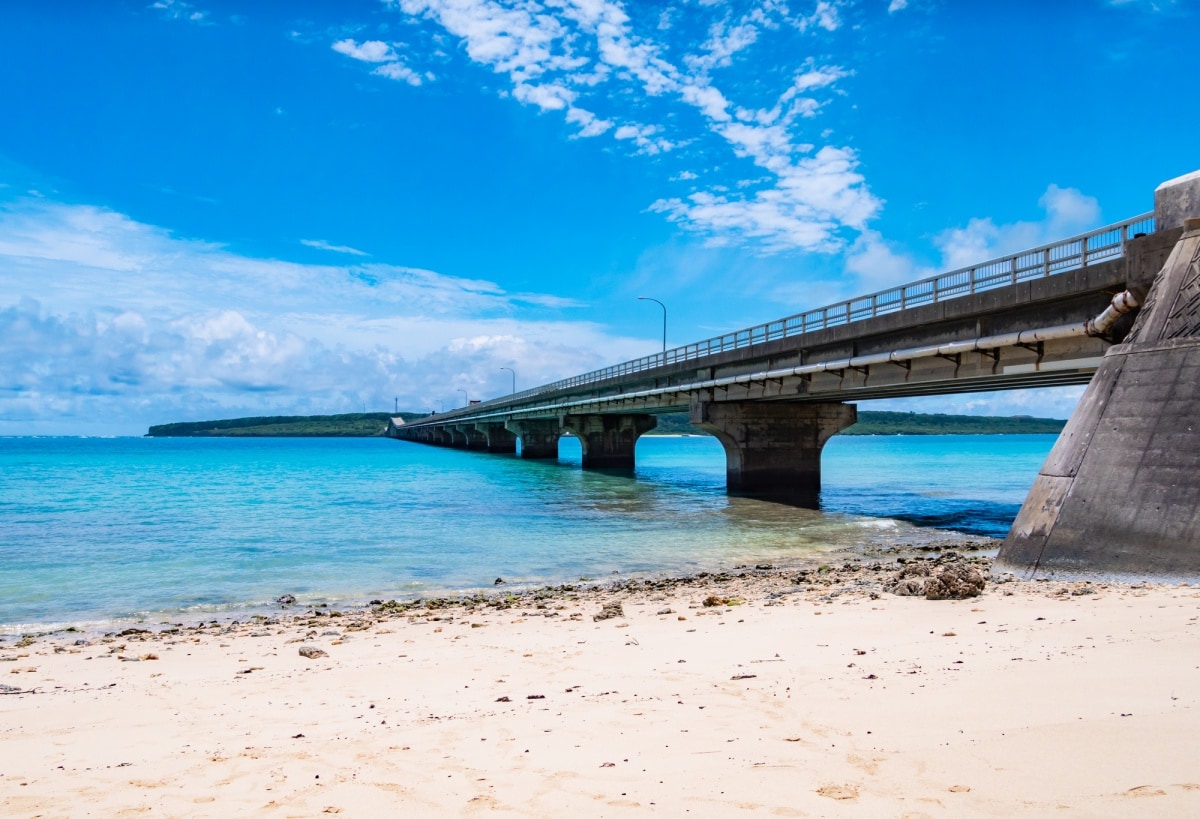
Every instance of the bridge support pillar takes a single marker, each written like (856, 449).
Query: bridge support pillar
(539, 436)
(608, 441)
(773, 450)
(468, 437)
(497, 438)
(1120, 492)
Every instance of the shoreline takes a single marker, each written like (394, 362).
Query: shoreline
(176, 618)
(767, 690)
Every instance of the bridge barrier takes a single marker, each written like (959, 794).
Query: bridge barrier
(1079, 251)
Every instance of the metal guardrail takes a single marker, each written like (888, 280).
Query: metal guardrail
(1060, 257)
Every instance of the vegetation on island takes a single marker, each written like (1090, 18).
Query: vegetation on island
(348, 425)
(371, 424)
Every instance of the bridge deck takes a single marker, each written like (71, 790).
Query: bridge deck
(977, 328)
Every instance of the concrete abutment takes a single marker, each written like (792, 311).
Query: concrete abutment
(773, 450)
(1119, 493)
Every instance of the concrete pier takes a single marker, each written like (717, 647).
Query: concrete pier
(498, 438)
(467, 436)
(539, 436)
(608, 441)
(773, 450)
(1120, 492)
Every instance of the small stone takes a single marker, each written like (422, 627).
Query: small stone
(498, 582)
(312, 652)
(286, 600)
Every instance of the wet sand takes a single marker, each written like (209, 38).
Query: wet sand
(824, 697)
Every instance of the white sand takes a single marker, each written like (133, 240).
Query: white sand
(1022, 701)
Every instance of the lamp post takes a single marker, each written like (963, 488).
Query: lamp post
(514, 376)
(664, 307)
(466, 397)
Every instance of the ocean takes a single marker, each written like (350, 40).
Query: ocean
(96, 530)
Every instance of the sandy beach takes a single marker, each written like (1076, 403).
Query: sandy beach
(763, 691)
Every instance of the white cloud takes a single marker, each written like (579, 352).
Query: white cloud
(644, 137)
(1067, 212)
(584, 57)
(1146, 5)
(877, 264)
(824, 16)
(369, 51)
(179, 10)
(321, 244)
(108, 325)
(897, 5)
(376, 51)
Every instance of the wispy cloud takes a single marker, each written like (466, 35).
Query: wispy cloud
(590, 63)
(180, 10)
(321, 244)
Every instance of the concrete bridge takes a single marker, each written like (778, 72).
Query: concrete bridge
(773, 394)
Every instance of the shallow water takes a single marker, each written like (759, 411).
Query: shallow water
(99, 529)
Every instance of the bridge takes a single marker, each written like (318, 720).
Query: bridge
(773, 394)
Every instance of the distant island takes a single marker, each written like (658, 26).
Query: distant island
(372, 424)
(349, 425)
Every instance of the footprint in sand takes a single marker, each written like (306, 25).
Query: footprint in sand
(838, 791)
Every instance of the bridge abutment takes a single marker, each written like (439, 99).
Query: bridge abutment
(773, 450)
(1120, 491)
(608, 441)
(539, 436)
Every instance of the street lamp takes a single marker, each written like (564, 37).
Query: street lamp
(514, 375)
(664, 307)
(466, 397)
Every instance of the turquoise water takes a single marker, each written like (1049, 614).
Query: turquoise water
(98, 529)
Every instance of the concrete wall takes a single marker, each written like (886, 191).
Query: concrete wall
(1120, 492)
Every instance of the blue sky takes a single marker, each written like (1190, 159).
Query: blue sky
(211, 209)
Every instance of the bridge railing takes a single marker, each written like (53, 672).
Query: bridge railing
(1060, 257)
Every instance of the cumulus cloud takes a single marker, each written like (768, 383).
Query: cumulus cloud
(1068, 211)
(877, 264)
(389, 63)
(108, 325)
